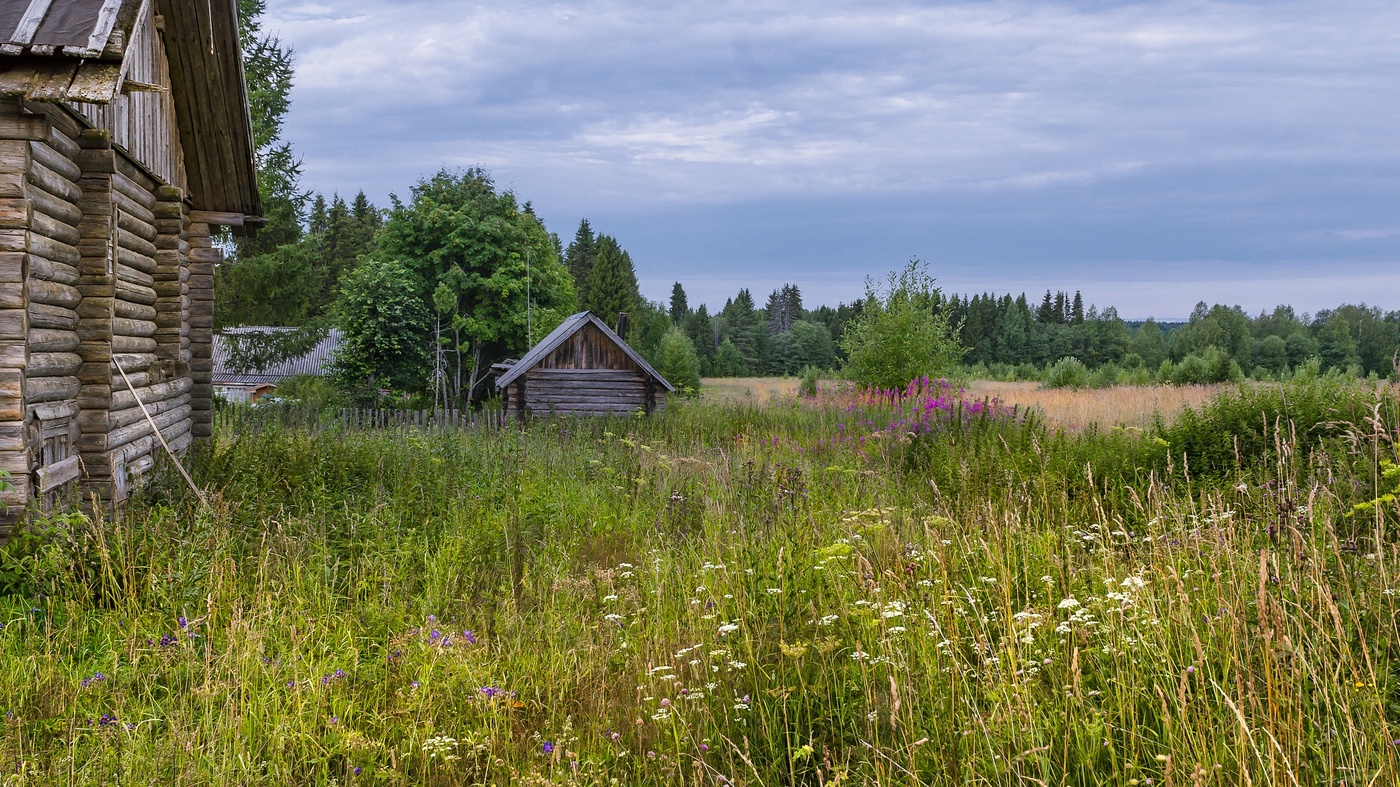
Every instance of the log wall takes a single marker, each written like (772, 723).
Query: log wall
(587, 392)
(96, 279)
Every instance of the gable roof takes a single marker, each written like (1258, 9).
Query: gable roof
(80, 51)
(559, 335)
(315, 362)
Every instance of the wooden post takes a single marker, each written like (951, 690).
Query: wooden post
(651, 395)
(520, 398)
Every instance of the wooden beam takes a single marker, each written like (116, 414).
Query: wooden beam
(221, 218)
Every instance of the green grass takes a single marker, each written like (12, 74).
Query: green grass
(683, 600)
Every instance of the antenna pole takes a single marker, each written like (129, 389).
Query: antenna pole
(529, 326)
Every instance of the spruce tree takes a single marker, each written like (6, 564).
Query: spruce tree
(578, 258)
(612, 284)
(680, 310)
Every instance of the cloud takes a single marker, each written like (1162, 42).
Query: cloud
(1245, 123)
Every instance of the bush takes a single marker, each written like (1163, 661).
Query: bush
(1067, 372)
(1211, 365)
(808, 386)
(901, 334)
(1244, 423)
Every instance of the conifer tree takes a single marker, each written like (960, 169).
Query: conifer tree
(578, 258)
(612, 283)
(680, 310)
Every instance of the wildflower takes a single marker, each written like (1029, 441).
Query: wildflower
(184, 624)
(469, 637)
(547, 748)
(1069, 603)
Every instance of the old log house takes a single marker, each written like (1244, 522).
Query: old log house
(125, 142)
(582, 367)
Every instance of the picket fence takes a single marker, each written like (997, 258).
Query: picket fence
(243, 418)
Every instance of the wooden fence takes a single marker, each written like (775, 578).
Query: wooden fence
(242, 418)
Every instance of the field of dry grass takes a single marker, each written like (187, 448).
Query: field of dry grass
(747, 390)
(1132, 406)
(1128, 406)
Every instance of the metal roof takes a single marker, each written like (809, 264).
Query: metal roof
(315, 363)
(568, 328)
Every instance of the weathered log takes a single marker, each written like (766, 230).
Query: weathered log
(128, 240)
(49, 340)
(54, 160)
(138, 311)
(54, 183)
(132, 208)
(125, 185)
(143, 231)
(122, 326)
(48, 389)
(135, 293)
(45, 315)
(127, 273)
(53, 249)
(42, 224)
(126, 434)
(133, 344)
(51, 364)
(48, 270)
(54, 293)
(56, 208)
(131, 415)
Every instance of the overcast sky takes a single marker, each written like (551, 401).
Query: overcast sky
(1149, 154)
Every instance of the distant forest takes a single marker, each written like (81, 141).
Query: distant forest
(298, 278)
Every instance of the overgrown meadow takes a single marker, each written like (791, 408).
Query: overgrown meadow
(896, 588)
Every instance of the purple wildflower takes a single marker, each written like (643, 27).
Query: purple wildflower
(548, 747)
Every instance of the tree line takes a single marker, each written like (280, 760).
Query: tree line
(432, 290)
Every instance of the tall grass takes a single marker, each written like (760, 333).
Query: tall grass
(725, 594)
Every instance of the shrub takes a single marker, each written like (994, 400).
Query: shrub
(1067, 372)
(901, 334)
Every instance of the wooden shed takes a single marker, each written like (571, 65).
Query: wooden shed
(582, 367)
(125, 141)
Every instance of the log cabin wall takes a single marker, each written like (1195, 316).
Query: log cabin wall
(95, 272)
(587, 375)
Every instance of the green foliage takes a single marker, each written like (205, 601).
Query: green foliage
(254, 351)
(612, 283)
(311, 390)
(1211, 365)
(678, 363)
(1067, 373)
(900, 335)
(810, 377)
(579, 257)
(729, 362)
(1247, 426)
(742, 326)
(474, 254)
(383, 324)
(680, 308)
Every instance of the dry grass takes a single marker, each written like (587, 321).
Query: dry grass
(1078, 409)
(747, 390)
(1129, 406)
